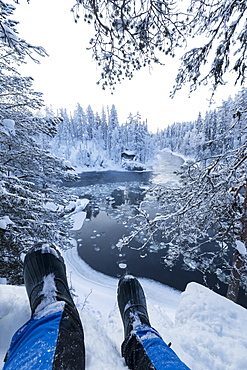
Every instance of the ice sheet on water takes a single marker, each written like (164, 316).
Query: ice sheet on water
(78, 220)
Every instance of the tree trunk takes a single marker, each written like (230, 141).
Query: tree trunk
(233, 286)
(238, 258)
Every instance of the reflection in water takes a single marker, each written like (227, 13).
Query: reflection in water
(92, 212)
(130, 196)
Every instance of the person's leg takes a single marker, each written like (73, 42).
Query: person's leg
(143, 348)
(53, 338)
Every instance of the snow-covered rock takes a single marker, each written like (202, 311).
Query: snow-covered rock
(133, 165)
(51, 205)
(76, 206)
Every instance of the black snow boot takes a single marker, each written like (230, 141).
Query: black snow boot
(45, 276)
(132, 304)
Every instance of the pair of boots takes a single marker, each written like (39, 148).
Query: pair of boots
(53, 337)
(44, 260)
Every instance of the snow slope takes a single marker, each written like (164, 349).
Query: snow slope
(206, 330)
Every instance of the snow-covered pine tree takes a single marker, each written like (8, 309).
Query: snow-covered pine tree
(80, 122)
(112, 137)
(211, 135)
(130, 132)
(104, 128)
(90, 123)
(90, 139)
(32, 204)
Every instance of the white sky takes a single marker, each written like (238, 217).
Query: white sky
(69, 74)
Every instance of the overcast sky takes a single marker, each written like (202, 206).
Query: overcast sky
(69, 74)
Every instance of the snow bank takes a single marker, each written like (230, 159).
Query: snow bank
(78, 220)
(207, 331)
(216, 330)
(14, 312)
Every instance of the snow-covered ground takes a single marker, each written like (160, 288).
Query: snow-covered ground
(206, 330)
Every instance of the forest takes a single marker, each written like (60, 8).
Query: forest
(39, 152)
(96, 139)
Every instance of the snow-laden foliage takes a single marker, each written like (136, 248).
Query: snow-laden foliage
(129, 35)
(94, 140)
(220, 130)
(29, 175)
(14, 46)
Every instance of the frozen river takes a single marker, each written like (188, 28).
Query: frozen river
(113, 199)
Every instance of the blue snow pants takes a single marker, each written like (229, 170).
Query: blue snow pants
(50, 342)
(56, 342)
(144, 349)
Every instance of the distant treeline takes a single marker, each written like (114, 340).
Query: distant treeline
(91, 139)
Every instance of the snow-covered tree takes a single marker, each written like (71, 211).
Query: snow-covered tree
(203, 219)
(90, 123)
(90, 139)
(32, 205)
(112, 136)
(134, 34)
(104, 128)
(80, 122)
